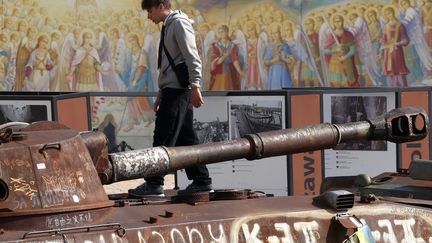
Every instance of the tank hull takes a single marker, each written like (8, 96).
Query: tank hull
(294, 219)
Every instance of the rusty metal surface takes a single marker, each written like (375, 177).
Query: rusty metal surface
(97, 146)
(140, 163)
(45, 125)
(397, 185)
(254, 220)
(42, 175)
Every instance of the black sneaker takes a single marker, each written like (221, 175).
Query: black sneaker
(147, 190)
(195, 188)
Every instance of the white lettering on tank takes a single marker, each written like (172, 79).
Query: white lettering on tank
(308, 229)
(251, 237)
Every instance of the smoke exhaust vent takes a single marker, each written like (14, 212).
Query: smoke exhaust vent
(338, 200)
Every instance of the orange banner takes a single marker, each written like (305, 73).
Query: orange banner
(306, 167)
(418, 149)
(73, 113)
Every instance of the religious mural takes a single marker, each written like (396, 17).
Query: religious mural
(108, 45)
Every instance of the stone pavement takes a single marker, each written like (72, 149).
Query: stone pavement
(123, 186)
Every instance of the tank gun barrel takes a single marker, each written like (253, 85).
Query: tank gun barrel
(398, 126)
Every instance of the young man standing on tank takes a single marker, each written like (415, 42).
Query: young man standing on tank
(173, 106)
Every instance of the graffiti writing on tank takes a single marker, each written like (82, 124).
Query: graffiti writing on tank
(60, 189)
(410, 211)
(20, 185)
(68, 220)
(20, 204)
(397, 230)
(12, 163)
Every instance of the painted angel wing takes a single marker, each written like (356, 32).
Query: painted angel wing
(412, 22)
(150, 48)
(306, 52)
(110, 80)
(262, 45)
(208, 41)
(324, 34)
(54, 53)
(23, 55)
(206, 63)
(240, 41)
(123, 62)
(65, 61)
(104, 49)
(364, 48)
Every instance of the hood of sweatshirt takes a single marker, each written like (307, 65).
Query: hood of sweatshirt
(177, 14)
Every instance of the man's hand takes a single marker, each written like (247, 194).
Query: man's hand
(196, 99)
(156, 105)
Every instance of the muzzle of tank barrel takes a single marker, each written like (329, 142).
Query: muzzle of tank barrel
(400, 125)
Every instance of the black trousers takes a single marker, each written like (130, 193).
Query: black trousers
(174, 127)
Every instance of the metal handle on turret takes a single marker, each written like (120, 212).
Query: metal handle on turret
(398, 126)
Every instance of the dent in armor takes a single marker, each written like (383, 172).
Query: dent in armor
(140, 162)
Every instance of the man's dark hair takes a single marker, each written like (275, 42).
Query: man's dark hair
(148, 4)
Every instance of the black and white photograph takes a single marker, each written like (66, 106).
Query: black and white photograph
(366, 157)
(254, 114)
(211, 120)
(24, 111)
(218, 116)
(358, 108)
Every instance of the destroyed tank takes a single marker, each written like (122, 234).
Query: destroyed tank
(51, 190)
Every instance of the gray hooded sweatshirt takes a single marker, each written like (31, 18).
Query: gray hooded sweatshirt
(180, 42)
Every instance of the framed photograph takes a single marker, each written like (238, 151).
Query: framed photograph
(211, 121)
(25, 111)
(222, 118)
(358, 108)
(367, 157)
(127, 121)
(211, 125)
(253, 114)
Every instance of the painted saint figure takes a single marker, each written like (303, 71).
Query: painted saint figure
(254, 80)
(25, 48)
(86, 66)
(313, 39)
(394, 39)
(417, 56)
(225, 63)
(277, 58)
(138, 108)
(39, 66)
(376, 33)
(339, 50)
